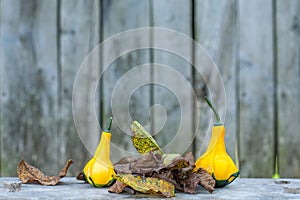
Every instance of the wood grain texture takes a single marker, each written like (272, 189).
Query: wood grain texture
(256, 88)
(29, 84)
(174, 15)
(1, 66)
(43, 44)
(288, 92)
(215, 31)
(119, 16)
(243, 188)
(79, 34)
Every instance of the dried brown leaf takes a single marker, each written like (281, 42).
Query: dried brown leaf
(188, 181)
(80, 177)
(206, 180)
(144, 165)
(125, 160)
(172, 168)
(31, 174)
(147, 164)
(123, 166)
(150, 163)
(190, 158)
(167, 175)
(117, 187)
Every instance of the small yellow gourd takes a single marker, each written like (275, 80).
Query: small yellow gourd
(215, 160)
(99, 171)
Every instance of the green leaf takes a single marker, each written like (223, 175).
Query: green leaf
(142, 140)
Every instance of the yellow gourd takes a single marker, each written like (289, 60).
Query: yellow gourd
(99, 171)
(215, 160)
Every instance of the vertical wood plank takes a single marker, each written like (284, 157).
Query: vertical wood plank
(215, 31)
(1, 66)
(174, 15)
(79, 34)
(29, 84)
(256, 88)
(288, 80)
(121, 16)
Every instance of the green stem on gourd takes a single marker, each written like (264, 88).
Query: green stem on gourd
(214, 111)
(276, 173)
(109, 125)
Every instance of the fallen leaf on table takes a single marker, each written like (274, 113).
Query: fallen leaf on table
(147, 185)
(80, 177)
(117, 187)
(156, 172)
(145, 164)
(206, 180)
(173, 168)
(123, 166)
(30, 174)
(187, 180)
(200, 177)
(150, 163)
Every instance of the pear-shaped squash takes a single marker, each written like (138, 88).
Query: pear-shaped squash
(215, 160)
(99, 171)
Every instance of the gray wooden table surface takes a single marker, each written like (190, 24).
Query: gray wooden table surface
(70, 188)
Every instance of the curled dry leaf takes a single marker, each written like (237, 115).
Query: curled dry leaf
(187, 180)
(80, 177)
(30, 174)
(206, 180)
(150, 163)
(117, 187)
(147, 185)
(173, 168)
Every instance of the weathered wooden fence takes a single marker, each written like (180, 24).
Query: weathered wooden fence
(255, 44)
